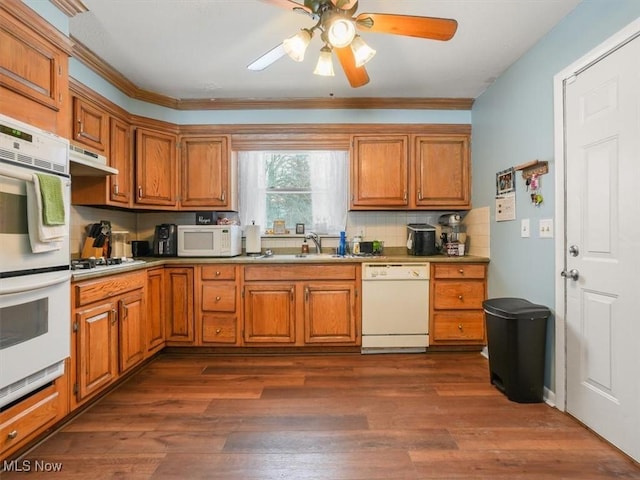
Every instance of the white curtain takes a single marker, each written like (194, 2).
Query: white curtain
(328, 185)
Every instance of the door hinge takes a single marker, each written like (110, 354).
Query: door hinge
(571, 79)
(76, 327)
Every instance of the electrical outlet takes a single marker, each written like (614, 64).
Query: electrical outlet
(525, 228)
(545, 229)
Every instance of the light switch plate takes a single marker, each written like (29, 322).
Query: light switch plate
(525, 228)
(546, 228)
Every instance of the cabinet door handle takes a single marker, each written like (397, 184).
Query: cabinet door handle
(419, 194)
(223, 196)
(306, 294)
(114, 316)
(12, 434)
(139, 192)
(115, 189)
(291, 293)
(80, 128)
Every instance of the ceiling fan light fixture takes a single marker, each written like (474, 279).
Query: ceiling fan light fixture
(361, 51)
(340, 31)
(324, 67)
(296, 45)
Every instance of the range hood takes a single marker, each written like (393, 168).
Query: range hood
(84, 163)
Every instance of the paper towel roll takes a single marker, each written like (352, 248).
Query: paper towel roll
(252, 239)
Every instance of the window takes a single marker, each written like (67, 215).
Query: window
(307, 187)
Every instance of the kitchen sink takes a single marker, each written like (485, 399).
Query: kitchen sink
(295, 257)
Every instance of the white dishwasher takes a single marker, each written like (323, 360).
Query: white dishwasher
(395, 307)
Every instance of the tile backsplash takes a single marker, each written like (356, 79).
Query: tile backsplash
(390, 227)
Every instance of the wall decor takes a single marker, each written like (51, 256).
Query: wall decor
(505, 182)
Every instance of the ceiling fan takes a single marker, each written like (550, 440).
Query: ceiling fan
(338, 27)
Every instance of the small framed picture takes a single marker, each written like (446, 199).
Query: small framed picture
(505, 182)
(300, 228)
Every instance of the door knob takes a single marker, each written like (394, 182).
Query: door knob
(573, 274)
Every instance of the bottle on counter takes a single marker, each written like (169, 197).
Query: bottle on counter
(342, 246)
(355, 245)
(305, 246)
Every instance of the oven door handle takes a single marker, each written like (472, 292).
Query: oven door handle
(22, 287)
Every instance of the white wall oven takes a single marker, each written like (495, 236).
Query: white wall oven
(34, 258)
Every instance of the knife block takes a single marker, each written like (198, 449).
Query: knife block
(88, 250)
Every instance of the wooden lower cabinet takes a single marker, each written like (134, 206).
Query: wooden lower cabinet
(218, 303)
(330, 313)
(457, 293)
(109, 317)
(155, 320)
(270, 313)
(179, 305)
(307, 305)
(25, 421)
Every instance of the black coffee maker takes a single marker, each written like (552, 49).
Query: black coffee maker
(165, 240)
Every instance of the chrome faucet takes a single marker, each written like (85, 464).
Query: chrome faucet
(314, 236)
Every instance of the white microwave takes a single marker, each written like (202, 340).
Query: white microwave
(209, 240)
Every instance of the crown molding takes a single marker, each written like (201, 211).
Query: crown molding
(106, 71)
(25, 15)
(70, 8)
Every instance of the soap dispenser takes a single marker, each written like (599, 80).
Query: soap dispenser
(305, 246)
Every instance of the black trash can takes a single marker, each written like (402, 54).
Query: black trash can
(516, 338)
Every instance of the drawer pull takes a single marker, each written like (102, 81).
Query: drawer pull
(460, 297)
(12, 434)
(218, 331)
(218, 298)
(460, 326)
(217, 274)
(461, 271)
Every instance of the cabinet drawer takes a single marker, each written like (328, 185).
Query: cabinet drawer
(458, 326)
(218, 272)
(458, 295)
(34, 414)
(296, 272)
(465, 270)
(218, 298)
(219, 328)
(92, 291)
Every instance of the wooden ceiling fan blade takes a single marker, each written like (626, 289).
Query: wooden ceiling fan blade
(357, 76)
(408, 25)
(276, 53)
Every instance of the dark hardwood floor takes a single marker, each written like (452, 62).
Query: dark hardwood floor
(324, 417)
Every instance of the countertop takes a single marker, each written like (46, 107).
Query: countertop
(277, 258)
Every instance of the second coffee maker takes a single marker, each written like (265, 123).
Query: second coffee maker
(165, 240)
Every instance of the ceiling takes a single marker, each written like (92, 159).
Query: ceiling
(199, 49)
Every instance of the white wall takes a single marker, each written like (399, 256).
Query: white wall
(513, 124)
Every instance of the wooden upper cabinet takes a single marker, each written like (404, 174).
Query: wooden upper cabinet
(205, 172)
(379, 171)
(441, 167)
(33, 69)
(155, 167)
(90, 125)
(121, 188)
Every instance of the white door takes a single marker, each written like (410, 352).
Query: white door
(603, 247)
